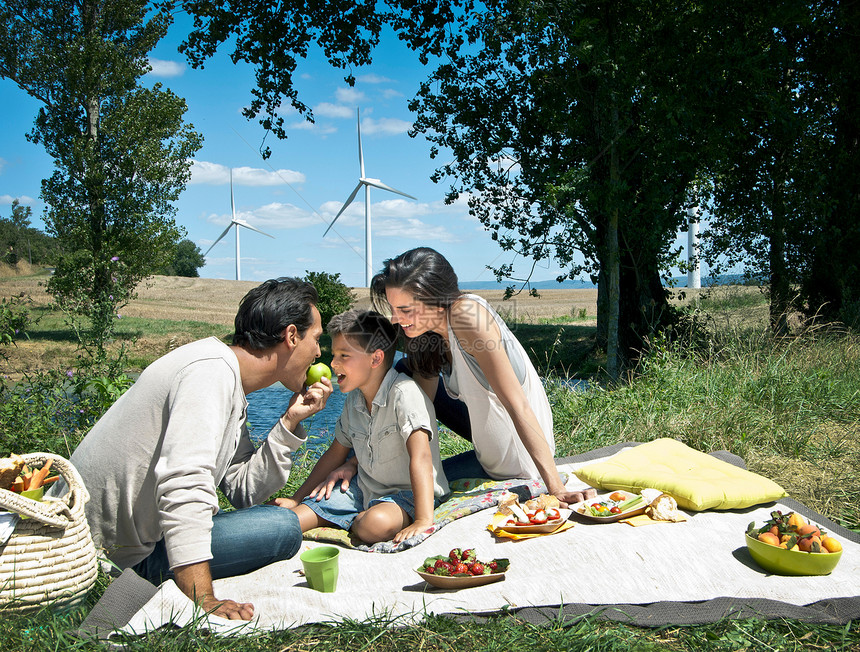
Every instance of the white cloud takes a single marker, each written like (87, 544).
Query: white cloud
(246, 176)
(349, 96)
(412, 229)
(373, 78)
(393, 218)
(329, 110)
(24, 200)
(215, 174)
(317, 128)
(273, 216)
(388, 126)
(163, 68)
(390, 93)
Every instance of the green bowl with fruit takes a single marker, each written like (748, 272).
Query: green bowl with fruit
(781, 561)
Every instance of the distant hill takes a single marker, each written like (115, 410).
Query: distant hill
(577, 284)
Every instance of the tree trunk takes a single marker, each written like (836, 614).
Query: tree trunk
(613, 354)
(780, 288)
(643, 306)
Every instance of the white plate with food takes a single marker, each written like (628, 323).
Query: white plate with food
(611, 507)
(535, 516)
(537, 525)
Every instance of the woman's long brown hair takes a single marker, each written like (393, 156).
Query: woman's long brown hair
(426, 275)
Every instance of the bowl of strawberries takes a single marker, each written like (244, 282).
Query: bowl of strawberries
(461, 569)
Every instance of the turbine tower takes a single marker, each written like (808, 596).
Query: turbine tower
(367, 183)
(235, 221)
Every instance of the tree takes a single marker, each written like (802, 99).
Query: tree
(12, 231)
(186, 260)
(334, 295)
(122, 152)
(785, 190)
(573, 130)
(831, 284)
(20, 241)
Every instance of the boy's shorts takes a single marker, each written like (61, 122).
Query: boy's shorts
(342, 507)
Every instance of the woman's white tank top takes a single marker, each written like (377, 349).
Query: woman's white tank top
(497, 444)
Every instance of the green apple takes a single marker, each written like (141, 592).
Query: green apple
(316, 372)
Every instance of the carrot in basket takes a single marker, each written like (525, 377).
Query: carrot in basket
(26, 476)
(39, 476)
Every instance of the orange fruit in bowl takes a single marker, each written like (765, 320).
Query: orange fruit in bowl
(808, 529)
(831, 545)
(769, 538)
(810, 544)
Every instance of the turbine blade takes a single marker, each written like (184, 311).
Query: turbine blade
(360, 153)
(253, 228)
(223, 233)
(376, 183)
(343, 208)
(232, 203)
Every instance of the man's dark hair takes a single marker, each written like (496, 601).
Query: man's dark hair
(266, 311)
(367, 329)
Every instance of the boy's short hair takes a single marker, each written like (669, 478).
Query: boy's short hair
(266, 311)
(368, 329)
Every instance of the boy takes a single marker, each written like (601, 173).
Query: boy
(390, 425)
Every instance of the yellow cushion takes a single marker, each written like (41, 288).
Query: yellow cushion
(696, 480)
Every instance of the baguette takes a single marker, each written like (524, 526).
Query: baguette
(10, 469)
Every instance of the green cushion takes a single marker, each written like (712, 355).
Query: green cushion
(696, 480)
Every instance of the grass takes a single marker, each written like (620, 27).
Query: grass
(789, 407)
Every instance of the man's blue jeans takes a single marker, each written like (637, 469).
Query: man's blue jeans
(242, 541)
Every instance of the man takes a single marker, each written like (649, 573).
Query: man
(153, 461)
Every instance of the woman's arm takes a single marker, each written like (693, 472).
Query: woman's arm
(478, 334)
(421, 476)
(428, 385)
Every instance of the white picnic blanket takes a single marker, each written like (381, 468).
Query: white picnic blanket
(592, 563)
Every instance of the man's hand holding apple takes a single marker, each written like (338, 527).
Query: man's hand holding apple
(312, 399)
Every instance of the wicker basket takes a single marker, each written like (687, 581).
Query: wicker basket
(50, 558)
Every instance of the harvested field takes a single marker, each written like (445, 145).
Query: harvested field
(215, 300)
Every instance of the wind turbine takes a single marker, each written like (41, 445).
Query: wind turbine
(367, 183)
(235, 221)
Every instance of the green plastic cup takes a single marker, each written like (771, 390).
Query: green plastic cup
(321, 567)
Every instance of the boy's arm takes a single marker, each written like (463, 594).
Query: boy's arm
(328, 462)
(421, 475)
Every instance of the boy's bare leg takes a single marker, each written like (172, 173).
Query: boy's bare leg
(380, 522)
(309, 519)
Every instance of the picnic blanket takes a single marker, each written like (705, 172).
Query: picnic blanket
(697, 571)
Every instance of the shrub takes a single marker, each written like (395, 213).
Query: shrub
(14, 318)
(335, 297)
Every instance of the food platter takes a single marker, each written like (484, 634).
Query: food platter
(460, 581)
(549, 526)
(581, 508)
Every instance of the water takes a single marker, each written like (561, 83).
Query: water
(265, 407)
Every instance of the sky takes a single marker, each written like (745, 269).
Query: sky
(294, 194)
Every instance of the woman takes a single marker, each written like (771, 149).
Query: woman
(481, 363)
